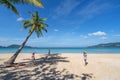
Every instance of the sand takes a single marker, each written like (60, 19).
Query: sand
(62, 67)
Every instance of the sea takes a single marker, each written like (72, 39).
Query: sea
(54, 50)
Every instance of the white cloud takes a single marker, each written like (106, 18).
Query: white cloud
(56, 30)
(117, 35)
(20, 19)
(98, 33)
(83, 37)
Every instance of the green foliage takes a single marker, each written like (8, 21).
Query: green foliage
(33, 2)
(36, 24)
(11, 4)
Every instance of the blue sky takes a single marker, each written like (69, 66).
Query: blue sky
(72, 23)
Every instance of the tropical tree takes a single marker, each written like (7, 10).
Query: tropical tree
(10, 4)
(37, 25)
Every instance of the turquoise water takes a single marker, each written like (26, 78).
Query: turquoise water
(63, 50)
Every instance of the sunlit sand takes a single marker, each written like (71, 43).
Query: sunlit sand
(62, 67)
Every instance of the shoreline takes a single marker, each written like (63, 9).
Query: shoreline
(60, 53)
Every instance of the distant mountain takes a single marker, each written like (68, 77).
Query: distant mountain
(2, 47)
(104, 45)
(14, 46)
(116, 44)
(17, 46)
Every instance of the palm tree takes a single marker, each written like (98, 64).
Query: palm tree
(11, 3)
(36, 24)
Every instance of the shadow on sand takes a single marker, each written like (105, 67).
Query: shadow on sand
(44, 68)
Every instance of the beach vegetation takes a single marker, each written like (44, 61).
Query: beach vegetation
(35, 24)
(10, 4)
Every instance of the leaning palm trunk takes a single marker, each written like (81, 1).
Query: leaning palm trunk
(13, 58)
(36, 24)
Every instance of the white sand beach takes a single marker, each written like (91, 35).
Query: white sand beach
(62, 67)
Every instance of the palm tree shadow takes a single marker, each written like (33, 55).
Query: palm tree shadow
(86, 76)
(52, 59)
(44, 69)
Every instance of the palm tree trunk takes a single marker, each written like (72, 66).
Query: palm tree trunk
(13, 58)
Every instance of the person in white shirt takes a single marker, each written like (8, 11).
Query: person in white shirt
(85, 58)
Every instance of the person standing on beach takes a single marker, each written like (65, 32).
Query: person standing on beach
(33, 56)
(49, 52)
(85, 58)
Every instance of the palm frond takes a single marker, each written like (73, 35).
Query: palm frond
(27, 23)
(33, 2)
(38, 31)
(35, 24)
(32, 28)
(44, 29)
(9, 5)
(43, 24)
(42, 19)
